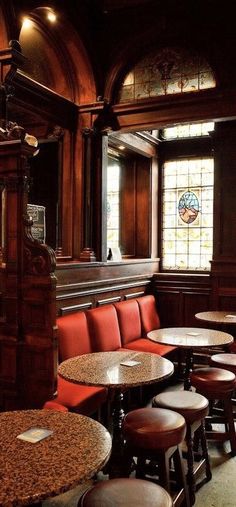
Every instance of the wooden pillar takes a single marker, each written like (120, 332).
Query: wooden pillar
(28, 351)
(87, 254)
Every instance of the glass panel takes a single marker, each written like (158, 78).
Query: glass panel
(168, 71)
(113, 189)
(187, 221)
(189, 130)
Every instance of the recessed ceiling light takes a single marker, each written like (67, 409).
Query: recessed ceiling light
(27, 23)
(121, 147)
(51, 16)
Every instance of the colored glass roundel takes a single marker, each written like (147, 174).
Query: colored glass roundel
(188, 207)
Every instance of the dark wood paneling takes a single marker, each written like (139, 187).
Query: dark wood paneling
(143, 212)
(84, 285)
(180, 297)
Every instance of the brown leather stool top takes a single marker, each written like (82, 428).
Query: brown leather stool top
(126, 493)
(218, 384)
(154, 428)
(192, 406)
(217, 380)
(226, 361)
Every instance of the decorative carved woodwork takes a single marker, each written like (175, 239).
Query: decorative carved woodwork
(28, 353)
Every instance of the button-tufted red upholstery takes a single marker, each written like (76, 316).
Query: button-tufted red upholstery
(125, 492)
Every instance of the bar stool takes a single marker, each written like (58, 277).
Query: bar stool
(125, 493)
(225, 361)
(155, 434)
(194, 408)
(217, 384)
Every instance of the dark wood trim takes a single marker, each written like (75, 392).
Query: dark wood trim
(31, 95)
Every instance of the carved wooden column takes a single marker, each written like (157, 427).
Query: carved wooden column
(87, 254)
(28, 351)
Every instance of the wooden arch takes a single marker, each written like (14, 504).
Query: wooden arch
(57, 55)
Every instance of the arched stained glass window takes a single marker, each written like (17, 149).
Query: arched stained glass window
(168, 71)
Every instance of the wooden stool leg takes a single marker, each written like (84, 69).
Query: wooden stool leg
(180, 475)
(205, 451)
(140, 469)
(190, 476)
(164, 471)
(230, 419)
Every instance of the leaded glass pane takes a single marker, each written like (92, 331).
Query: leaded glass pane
(187, 210)
(189, 130)
(167, 71)
(113, 189)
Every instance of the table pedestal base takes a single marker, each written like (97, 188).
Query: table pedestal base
(114, 465)
(188, 369)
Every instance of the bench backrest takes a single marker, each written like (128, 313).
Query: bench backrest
(73, 336)
(148, 312)
(104, 328)
(129, 320)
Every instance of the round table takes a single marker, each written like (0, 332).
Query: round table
(217, 317)
(106, 369)
(31, 472)
(190, 338)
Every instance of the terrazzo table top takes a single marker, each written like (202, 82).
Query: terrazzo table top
(105, 369)
(219, 317)
(190, 337)
(31, 472)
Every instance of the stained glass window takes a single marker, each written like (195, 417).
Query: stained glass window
(188, 130)
(167, 71)
(187, 214)
(113, 190)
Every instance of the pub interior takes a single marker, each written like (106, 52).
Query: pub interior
(117, 245)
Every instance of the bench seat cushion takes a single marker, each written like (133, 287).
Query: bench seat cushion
(83, 399)
(145, 345)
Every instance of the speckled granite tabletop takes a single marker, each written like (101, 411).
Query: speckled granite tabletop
(31, 472)
(105, 369)
(190, 337)
(217, 317)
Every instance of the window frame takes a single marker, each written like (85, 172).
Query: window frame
(174, 149)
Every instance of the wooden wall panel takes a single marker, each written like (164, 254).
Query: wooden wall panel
(180, 297)
(83, 286)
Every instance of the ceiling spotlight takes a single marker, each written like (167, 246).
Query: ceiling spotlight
(27, 23)
(121, 147)
(51, 16)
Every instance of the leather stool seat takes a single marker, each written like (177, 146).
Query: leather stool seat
(126, 492)
(218, 384)
(153, 436)
(194, 408)
(152, 428)
(217, 380)
(225, 361)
